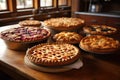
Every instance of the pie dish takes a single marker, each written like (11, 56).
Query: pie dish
(67, 37)
(64, 23)
(99, 30)
(23, 37)
(99, 44)
(53, 54)
(76, 65)
(30, 23)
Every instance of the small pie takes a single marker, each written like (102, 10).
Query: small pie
(99, 30)
(53, 54)
(30, 23)
(64, 23)
(99, 44)
(25, 34)
(67, 37)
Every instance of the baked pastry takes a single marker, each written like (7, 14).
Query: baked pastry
(53, 54)
(64, 23)
(67, 37)
(22, 38)
(25, 34)
(99, 30)
(30, 23)
(99, 44)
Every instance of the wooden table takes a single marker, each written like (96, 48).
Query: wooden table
(96, 67)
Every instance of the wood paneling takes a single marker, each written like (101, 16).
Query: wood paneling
(92, 18)
(36, 5)
(12, 5)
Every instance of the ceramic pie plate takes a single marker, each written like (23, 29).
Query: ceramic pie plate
(76, 65)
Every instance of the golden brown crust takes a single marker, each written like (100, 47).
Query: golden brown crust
(99, 44)
(30, 23)
(99, 30)
(64, 23)
(53, 54)
(67, 37)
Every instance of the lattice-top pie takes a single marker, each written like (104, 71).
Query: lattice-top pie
(30, 23)
(25, 34)
(99, 30)
(53, 54)
(99, 44)
(67, 37)
(64, 23)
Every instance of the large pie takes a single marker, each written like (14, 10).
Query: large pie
(25, 34)
(22, 38)
(99, 44)
(67, 37)
(30, 23)
(99, 30)
(53, 54)
(64, 23)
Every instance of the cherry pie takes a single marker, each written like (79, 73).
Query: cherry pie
(53, 54)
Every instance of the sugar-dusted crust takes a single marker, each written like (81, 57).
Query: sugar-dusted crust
(30, 23)
(53, 54)
(64, 23)
(99, 30)
(99, 44)
(67, 37)
(25, 34)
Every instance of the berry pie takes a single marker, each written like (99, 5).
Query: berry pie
(25, 34)
(99, 30)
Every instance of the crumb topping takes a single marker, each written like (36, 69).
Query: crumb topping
(30, 23)
(63, 22)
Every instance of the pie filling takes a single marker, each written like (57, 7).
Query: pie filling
(24, 34)
(100, 42)
(99, 29)
(69, 37)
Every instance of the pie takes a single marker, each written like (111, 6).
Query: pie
(64, 23)
(53, 54)
(99, 44)
(25, 34)
(67, 37)
(30, 23)
(99, 30)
